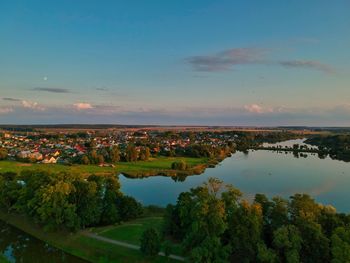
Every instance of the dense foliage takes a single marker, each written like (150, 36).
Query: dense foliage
(57, 200)
(150, 242)
(337, 146)
(215, 224)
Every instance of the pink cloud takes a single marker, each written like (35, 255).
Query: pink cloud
(83, 106)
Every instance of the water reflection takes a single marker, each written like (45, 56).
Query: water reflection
(258, 171)
(17, 246)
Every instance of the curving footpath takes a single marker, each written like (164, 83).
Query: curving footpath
(127, 245)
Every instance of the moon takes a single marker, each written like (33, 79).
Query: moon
(45, 78)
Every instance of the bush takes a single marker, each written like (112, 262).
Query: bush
(181, 165)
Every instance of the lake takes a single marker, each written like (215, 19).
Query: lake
(18, 246)
(267, 172)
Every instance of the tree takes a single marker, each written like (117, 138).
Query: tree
(93, 157)
(100, 159)
(131, 153)
(315, 246)
(110, 212)
(341, 245)
(3, 153)
(180, 165)
(85, 160)
(114, 154)
(303, 207)
(266, 255)
(145, 154)
(129, 208)
(150, 242)
(288, 242)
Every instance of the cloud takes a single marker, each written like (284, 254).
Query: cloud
(11, 99)
(102, 89)
(53, 90)
(227, 59)
(310, 64)
(255, 108)
(83, 106)
(32, 105)
(5, 110)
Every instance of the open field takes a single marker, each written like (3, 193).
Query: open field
(79, 244)
(130, 231)
(155, 166)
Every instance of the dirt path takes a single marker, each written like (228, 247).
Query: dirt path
(127, 245)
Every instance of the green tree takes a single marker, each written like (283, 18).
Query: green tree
(145, 154)
(287, 241)
(131, 153)
(3, 154)
(114, 154)
(129, 208)
(341, 245)
(180, 165)
(150, 242)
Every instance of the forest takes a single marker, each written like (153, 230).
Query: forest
(215, 224)
(337, 146)
(66, 201)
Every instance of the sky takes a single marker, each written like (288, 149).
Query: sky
(180, 62)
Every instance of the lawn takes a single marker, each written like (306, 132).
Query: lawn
(151, 167)
(3, 259)
(131, 231)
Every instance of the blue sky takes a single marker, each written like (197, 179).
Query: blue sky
(175, 62)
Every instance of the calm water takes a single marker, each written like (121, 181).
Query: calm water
(272, 173)
(18, 246)
(290, 143)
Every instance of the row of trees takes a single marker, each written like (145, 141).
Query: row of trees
(114, 155)
(204, 150)
(337, 146)
(214, 224)
(57, 200)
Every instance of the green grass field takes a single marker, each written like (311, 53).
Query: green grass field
(130, 231)
(3, 259)
(153, 166)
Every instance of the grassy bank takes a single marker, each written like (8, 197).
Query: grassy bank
(80, 245)
(3, 259)
(155, 166)
(131, 231)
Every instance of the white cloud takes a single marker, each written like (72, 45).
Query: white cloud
(5, 110)
(254, 108)
(83, 106)
(32, 105)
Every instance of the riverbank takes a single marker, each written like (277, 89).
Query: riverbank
(79, 244)
(153, 167)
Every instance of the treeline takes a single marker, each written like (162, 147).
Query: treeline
(114, 155)
(202, 150)
(248, 140)
(337, 146)
(214, 224)
(62, 200)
